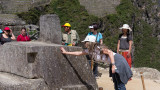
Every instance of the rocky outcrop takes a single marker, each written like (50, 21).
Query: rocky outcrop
(14, 6)
(148, 73)
(100, 8)
(14, 82)
(150, 10)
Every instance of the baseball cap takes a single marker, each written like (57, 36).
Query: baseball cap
(7, 28)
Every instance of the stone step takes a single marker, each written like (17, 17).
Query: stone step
(13, 82)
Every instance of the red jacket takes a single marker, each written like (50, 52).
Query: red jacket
(23, 38)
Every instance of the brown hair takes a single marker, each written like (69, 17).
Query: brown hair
(23, 28)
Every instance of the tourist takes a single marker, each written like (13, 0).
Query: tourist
(69, 37)
(23, 36)
(7, 35)
(93, 28)
(124, 45)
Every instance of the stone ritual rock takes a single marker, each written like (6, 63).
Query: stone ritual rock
(50, 29)
(45, 64)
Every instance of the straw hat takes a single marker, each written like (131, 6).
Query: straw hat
(126, 26)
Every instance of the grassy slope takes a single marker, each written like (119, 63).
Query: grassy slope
(147, 51)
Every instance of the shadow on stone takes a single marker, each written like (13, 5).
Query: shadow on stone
(89, 87)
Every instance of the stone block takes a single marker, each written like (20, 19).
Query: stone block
(14, 82)
(50, 29)
(34, 60)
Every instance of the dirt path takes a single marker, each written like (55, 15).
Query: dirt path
(135, 84)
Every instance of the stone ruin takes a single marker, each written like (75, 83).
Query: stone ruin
(40, 65)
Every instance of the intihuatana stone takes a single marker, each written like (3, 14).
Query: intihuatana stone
(39, 60)
(50, 29)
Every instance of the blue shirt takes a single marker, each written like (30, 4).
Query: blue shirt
(98, 37)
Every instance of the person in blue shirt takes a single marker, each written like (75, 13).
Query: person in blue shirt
(94, 32)
(99, 40)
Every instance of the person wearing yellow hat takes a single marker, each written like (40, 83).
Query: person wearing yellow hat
(69, 37)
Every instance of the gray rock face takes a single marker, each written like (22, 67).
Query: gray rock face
(100, 7)
(13, 82)
(38, 60)
(10, 20)
(14, 6)
(50, 29)
(148, 73)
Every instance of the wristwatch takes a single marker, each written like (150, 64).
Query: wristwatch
(113, 63)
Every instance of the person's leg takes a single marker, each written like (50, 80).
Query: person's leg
(118, 85)
(115, 82)
(128, 59)
(95, 69)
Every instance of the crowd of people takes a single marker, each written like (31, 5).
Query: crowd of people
(120, 62)
(95, 50)
(7, 35)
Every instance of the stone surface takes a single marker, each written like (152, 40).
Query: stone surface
(14, 82)
(100, 7)
(10, 20)
(148, 73)
(14, 6)
(42, 60)
(50, 29)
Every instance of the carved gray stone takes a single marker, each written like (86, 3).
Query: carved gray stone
(100, 7)
(14, 82)
(39, 60)
(50, 29)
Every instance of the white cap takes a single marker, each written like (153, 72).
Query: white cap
(125, 26)
(89, 38)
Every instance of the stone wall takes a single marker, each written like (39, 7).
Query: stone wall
(14, 6)
(100, 7)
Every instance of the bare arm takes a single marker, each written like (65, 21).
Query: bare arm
(111, 56)
(130, 46)
(13, 37)
(118, 46)
(77, 53)
(101, 41)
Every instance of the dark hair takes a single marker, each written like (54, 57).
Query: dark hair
(127, 35)
(23, 28)
(95, 26)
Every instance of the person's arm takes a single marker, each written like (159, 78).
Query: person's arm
(101, 38)
(101, 41)
(77, 39)
(77, 53)
(118, 46)
(12, 35)
(130, 48)
(111, 56)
